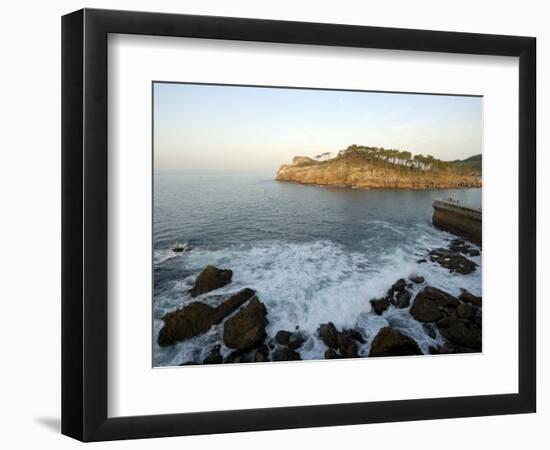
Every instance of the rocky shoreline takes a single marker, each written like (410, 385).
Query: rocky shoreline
(242, 318)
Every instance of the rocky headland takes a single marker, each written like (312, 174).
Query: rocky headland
(379, 168)
(242, 319)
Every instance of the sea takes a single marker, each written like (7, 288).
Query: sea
(313, 254)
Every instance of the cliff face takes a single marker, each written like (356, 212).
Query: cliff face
(354, 170)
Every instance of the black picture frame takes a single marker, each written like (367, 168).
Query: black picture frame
(84, 224)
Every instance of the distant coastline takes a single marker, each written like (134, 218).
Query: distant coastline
(379, 168)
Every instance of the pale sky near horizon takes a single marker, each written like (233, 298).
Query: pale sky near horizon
(233, 128)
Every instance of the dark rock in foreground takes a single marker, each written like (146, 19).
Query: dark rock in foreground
(197, 317)
(347, 345)
(380, 305)
(401, 299)
(455, 262)
(329, 335)
(246, 329)
(416, 279)
(390, 342)
(470, 298)
(211, 278)
(214, 357)
(430, 303)
(286, 354)
(289, 339)
(461, 332)
(331, 354)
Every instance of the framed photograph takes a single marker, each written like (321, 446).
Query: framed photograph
(272, 224)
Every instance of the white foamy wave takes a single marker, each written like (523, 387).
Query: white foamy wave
(305, 285)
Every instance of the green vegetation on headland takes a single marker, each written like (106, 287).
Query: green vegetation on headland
(377, 167)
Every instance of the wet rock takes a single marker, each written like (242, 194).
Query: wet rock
(465, 311)
(329, 334)
(237, 357)
(286, 354)
(261, 355)
(401, 299)
(291, 340)
(331, 354)
(429, 330)
(232, 303)
(462, 333)
(380, 305)
(347, 344)
(189, 363)
(421, 261)
(390, 342)
(193, 319)
(211, 278)
(473, 252)
(282, 337)
(197, 317)
(465, 249)
(214, 357)
(357, 336)
(458, 241)
(470, 298)
(416, 279)
(477, 317)
(429, 304)
(399, 285)
(455, 262)
(246, 329)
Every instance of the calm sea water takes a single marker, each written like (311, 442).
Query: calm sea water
(313, 254)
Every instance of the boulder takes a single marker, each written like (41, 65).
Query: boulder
(289, 339)
(473, 252)
(193, 319)
(453, 261)
(470, 298)
(214, 357)
(286, 354)
(237, 357)
(246, 329)
(232, 303)
(399, 285)
(429, 304)
(347, 344)
(429, 330)
(416, 279)
(462, 333)
(262, 354)
(197, 317)
(390, 342)
(401, 299)
(465, 311)
(380, 305)
(331, 354)
(211, 278)
(329, 334)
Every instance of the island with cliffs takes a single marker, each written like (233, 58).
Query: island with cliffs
(379, 168)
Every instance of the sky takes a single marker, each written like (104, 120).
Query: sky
(213, 128)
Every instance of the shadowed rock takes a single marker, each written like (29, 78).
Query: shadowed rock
(289, 339)
(429, 304)
(214, 357)
(329, 334)
(197, 317)
(211, 278)
(461, 332)
(246, 329)
(390, 342)
(455, 262)
(286, 354)
(380, 305)
(470, 298)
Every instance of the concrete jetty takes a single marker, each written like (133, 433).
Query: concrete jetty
(449, 215)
